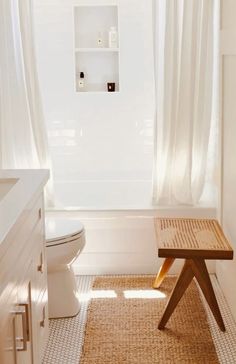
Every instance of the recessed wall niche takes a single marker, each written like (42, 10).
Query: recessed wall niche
(96, 48)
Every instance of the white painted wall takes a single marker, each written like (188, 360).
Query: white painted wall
(97, 139)
(226, 270)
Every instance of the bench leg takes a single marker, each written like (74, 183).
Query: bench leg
(163, 272)
(200, 271)
(181, 285)
(191, 268)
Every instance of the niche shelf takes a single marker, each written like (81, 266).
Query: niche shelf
(98, 62)
(96, 50)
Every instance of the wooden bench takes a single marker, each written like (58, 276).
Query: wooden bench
(193, 240)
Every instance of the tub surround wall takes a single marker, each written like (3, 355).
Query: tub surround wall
(99, 138)
(106, 195)
(226, 271)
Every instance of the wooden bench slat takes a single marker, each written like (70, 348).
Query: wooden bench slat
(187, 238)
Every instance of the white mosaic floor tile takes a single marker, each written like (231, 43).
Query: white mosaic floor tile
(225, 342)
(66, 335)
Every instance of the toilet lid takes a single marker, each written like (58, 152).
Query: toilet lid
(60, 228)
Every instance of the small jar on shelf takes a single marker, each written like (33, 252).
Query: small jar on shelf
(81, 83)
(100, 41)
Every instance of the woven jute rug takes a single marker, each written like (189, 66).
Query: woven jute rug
(122, 327)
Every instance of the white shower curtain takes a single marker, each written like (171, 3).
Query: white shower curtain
(183, 46)
(23, 139)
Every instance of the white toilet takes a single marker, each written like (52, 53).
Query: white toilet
(65, 240)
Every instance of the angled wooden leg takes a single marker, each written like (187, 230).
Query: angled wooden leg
(163, 272)
(181, 285)
(202, 276)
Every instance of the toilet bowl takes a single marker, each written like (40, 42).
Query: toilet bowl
(65, 240)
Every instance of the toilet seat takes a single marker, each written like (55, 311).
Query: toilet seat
(62, 231)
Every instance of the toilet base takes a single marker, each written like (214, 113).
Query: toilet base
(62, 293)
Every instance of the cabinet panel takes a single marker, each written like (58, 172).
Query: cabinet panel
(7, 333)
(23, 321)
(42, 323)
(39, 273)
(19, 241)
(40, 326)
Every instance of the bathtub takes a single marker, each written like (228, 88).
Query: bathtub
(122, 240)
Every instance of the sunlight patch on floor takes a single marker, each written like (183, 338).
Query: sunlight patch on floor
(144, 294)
(97, 294)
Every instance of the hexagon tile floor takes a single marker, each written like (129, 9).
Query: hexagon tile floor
(66, 335)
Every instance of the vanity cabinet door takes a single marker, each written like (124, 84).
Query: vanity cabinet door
(7, 338)
(23, 322)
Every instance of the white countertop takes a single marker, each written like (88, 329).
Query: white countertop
(17, 189)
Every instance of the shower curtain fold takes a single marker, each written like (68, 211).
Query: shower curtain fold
(23, 139)
(183, 48)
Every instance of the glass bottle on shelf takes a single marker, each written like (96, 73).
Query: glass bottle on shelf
(113, 37)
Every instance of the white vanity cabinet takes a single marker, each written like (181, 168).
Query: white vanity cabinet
(23, 288)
